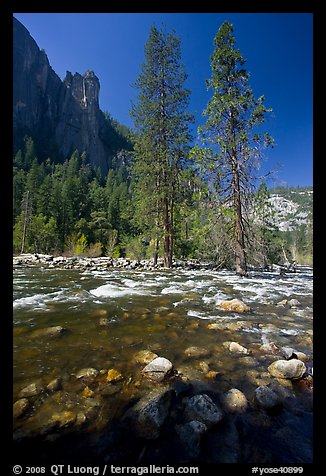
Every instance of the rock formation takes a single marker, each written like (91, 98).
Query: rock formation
(60, 116)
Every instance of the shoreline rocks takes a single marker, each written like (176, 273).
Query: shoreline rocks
(105, 262)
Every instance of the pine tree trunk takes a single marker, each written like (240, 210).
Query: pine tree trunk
(240, 255)
(166, 237)
(156, 248)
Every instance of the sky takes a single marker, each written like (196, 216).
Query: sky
(278, 48)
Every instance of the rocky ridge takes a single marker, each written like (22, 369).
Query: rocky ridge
(60, 116)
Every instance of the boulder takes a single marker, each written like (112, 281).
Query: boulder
(157, 369)
(20, 407)
(234, 305)
(235, 401)
(237, 348)
(287, 369)
(196, 352)
(148, 415)
(266, 397)
(203, 409)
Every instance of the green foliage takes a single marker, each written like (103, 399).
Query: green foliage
(81, 246)
(162, 139)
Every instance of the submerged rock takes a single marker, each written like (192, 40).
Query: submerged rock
(87, 392)
(203, 409)
(113, 376)
(87, 372)
(50, 332)
(54, 385)
(149, 414)
(235, 401)
(270, 348)
(287, 369)
(196, 352)
(266, 397)
(158, 369)
(31, 390)
(234, 305)
(237, 348)
(104, 322)
(144, 357)
(190, 435)
(63, 419)
(20, 407)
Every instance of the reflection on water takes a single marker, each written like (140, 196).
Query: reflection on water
(109, 316)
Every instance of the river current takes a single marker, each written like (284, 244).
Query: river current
(111, 315)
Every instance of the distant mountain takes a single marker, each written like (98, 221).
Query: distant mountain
(60, 116)
(293, 206)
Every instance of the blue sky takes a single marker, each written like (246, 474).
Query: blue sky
(278, 48)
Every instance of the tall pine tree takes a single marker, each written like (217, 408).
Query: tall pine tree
(162, 139)
(234, 152)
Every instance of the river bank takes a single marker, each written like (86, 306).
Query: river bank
(83, 338)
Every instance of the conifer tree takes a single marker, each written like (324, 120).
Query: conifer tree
(233, 156)
(161, 143)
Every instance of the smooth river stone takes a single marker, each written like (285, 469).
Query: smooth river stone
(157, 369)
(288, 369)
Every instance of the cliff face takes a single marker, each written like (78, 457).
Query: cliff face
(61, 116)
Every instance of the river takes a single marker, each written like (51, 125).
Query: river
(111, 315)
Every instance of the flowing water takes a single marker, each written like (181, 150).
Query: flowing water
(113, 314)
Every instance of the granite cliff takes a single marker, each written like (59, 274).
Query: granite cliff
(61, 116)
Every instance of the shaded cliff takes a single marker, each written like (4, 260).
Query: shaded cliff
(61, 116)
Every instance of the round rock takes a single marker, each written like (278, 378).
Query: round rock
(266, 397)
(158, 369)
(203, 409)
(288, 369)
(235, 401)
